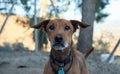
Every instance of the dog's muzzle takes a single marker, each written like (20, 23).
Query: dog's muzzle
(58, 43)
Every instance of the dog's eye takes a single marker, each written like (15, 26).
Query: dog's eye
(52, 27)
(67, 28)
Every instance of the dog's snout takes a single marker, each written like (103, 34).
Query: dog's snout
(58, 38)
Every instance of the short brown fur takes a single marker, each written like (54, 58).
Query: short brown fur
(59, 28)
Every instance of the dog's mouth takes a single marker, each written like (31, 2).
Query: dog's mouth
(59, 46)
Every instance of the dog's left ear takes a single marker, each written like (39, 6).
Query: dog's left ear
(41, 24)
(76, 24)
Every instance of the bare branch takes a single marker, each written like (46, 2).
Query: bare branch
(56, 14)
(7, 17)
(111, 55)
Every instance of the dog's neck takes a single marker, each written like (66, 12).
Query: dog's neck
(60, 54)
(61, 60)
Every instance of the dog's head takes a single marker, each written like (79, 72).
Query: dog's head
(60, 31)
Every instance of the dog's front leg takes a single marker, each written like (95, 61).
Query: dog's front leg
(83, 67)
(48, 69)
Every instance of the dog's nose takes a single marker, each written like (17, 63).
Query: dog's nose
(58, 38)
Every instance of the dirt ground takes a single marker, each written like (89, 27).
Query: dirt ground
(22, 62)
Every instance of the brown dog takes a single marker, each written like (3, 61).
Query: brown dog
(64, 59)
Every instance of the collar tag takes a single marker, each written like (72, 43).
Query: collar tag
(61, 71)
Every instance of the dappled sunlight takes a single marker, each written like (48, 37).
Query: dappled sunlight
(17, 30)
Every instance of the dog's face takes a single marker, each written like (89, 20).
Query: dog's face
(60, 31)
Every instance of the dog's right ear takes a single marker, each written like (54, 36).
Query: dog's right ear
(76, 24)
(41, 24)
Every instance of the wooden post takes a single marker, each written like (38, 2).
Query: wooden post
(36, 30)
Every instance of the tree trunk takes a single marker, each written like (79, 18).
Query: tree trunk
(85, 35)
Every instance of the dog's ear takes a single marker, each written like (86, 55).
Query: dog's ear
(76, 24)
(41, 24)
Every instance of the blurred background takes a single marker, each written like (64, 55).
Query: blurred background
(23, 47)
